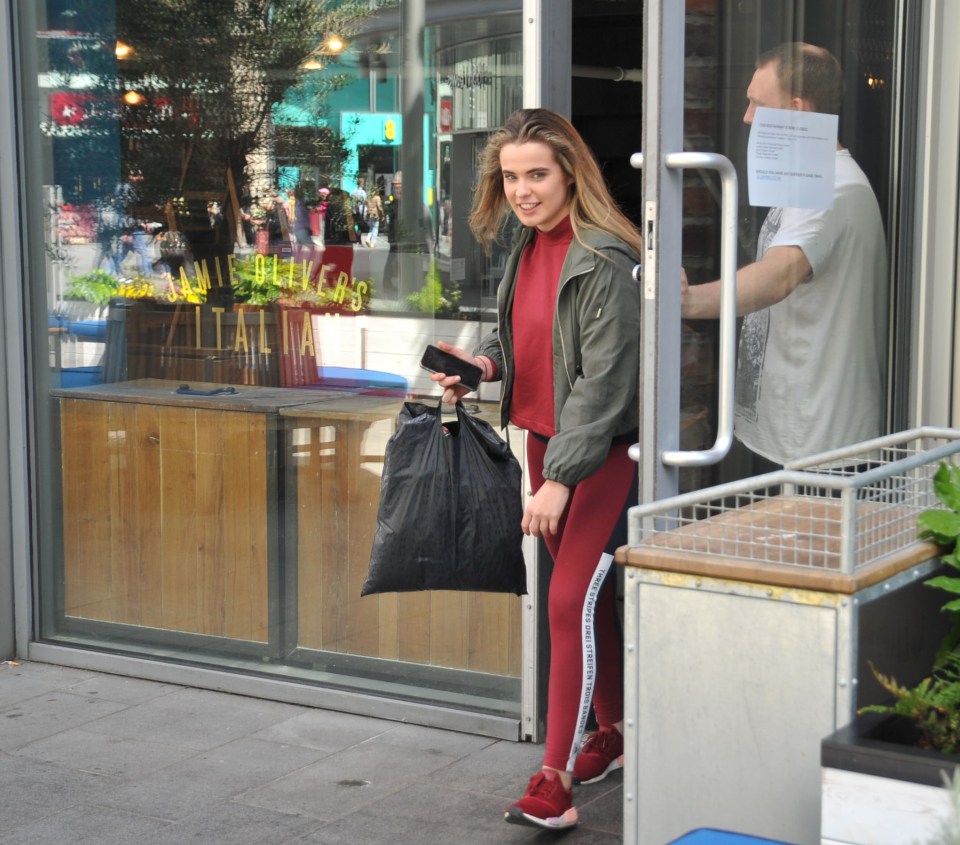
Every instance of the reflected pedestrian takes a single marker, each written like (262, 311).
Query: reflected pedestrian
(374, 216)
(108, 235)
(133, 236)
(298, 222)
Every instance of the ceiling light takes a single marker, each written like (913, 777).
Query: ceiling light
(334, 44)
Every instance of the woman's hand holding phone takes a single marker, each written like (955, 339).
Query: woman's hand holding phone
(453, 390)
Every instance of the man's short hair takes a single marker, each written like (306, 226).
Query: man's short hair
(809, 72)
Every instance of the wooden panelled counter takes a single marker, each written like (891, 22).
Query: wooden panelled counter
(337, 448)
(170, 506)
(249, 517)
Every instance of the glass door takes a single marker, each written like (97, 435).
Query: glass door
(775, 163)
(770, 156)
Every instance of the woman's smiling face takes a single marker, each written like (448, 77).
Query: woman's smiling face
(534, 184)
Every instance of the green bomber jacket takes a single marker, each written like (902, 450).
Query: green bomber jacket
(596, 352)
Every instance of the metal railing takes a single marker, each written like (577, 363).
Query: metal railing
(840, 510)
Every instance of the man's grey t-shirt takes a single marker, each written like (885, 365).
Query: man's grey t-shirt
(810, 369)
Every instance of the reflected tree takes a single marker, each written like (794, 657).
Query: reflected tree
(198, 89)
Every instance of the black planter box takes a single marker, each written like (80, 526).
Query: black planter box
(885, 746)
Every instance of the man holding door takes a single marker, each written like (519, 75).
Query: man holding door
(813, 345)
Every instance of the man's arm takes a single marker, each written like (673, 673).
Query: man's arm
(759, 285)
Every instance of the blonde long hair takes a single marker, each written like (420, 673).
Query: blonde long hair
(591, 205)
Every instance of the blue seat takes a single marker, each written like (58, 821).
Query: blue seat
(362, 381)
(80, 376)
(709, 836)
(89, 329)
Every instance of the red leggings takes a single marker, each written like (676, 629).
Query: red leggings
(585, 654)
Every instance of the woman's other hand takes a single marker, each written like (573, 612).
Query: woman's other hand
(544, 511)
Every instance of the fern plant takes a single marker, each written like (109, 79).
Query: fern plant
(934, 703)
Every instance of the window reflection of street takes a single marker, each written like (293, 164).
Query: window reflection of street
(207, 273)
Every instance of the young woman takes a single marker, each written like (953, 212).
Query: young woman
(567, 354)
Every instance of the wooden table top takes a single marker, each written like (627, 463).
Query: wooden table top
(378, 407)
(151, 391)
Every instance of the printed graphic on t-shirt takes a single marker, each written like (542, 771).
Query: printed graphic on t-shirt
(753, 336)
(771, 225)
(753, 343)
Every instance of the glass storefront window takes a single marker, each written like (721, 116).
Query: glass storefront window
(255, 221)
(479, 85)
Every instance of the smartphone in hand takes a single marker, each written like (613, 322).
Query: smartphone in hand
(437, 361)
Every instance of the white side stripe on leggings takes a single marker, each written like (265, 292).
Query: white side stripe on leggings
(589, 642)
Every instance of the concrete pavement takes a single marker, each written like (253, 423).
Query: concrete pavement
(87, 757)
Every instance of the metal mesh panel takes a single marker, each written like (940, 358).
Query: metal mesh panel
(841, 511)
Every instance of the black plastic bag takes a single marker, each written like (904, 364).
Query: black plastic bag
(450, 508)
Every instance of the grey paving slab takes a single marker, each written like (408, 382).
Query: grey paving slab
(347, 781)
(106, 755)
(229, 823)
(124, 690)
(197, 719)
(577, 836)
(20, 681)
(31, 790)
(600, 805)
(208, 778)
(502, 769)
(433, 815)
(433, 741)
(49, 713)
(84, 826)
(325, 730)
(422, 814)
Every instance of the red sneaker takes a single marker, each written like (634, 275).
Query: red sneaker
(601, 754)
(545, 804)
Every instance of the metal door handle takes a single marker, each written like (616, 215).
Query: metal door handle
(728, 303)
(728, 307)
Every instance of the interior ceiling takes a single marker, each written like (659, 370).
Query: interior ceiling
(455, 21)
(458, 22)
(606, 8)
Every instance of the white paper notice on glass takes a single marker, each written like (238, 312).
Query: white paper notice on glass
(791, 158)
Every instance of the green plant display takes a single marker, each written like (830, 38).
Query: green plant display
(432, 298)
(259, 280)
(97, 286)
(934, 703)
(943, 527)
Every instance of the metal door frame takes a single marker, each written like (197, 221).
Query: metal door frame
(663, 70)
(547, 27)
(663, 161)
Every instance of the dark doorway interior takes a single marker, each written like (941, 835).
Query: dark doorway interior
(607, 40)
